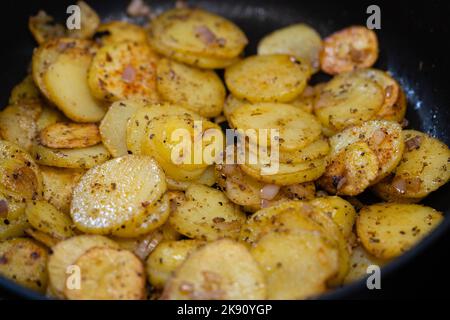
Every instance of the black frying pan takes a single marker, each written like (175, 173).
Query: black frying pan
(412, 39)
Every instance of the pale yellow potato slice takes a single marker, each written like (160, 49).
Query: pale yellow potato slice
(207, 214)
(388, 230)
(41, 237)
(360, 260)
(195, 31)
(113, 128)
(49, 116)
(66, 85)
(89, 21)
(116, 193)
(65, 254)
(83, 158)
(296, 127)
(119, 31)
(299, 40)
(25, 92)
(46, 218)
(207, 178)
(296, 265)
(166, 258)
(269, 78)
(124, 70)
(13, 220)
(70, 135)
(109, 274)
(220, 270)
(24, 262)
(202, 91)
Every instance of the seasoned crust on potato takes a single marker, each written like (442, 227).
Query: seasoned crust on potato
(70, 135)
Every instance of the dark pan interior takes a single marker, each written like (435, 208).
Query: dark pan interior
(412, 40)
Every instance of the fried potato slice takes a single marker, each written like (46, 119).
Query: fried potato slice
(43, 27)
(25, 92)
(166, 258)
(83, 158)
(89, 21)
(109, 274)
(41, 237)
(424, 168)
(124, 70)
(20, 177)
(113, 128)
(58, 186)
(351, 48)
(207, 214)
(119, 31)
(116, 193)
(299, 40)
(268, 78)
(18, 124)
(202, 91)
(24, 261)
(195, 31)
(296, 128)
(13, 220)
(296, 265)
(46, 218)
(66, 85)
(70, 135)
(388, 230)
(220, 270)
(65, 254)
(207, 178)
(49, 116)
(348, 99)
(360, 260)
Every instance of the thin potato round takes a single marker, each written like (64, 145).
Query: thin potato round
(48, 117)
(46, 218)
(13, 220)
(115, 193)
(305, 101)
(70, 135)
(315, 150)
(296, 265)
(43, 27)
(125, 70)
(20, 177)
(89, 21)
(41, 237)
(397, 111)
(348, 99)
(24, 261)
(207, 178)
(199, 90)
(109, 274)
(113, 128)
(207, 214)
(348, 49)
(166, 258)
(296, 128)
(220, 270)
(388, 230)
(271, 78)
(423, 169)
(299, 40)
(25, 92)
(194, 31)
(66, 252)
(83, 158)
(66, 85)
(119, 31)
(360, 260)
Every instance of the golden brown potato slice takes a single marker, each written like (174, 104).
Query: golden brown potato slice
(348, 49)
(388, 230)
(43, 27)
(13, 220)
(58, 186)
(296, 128)
(202, 91)
(89, 21)
(207, 214)
(299, 40)
(83, 158)
(117, 193)
(24, 261)
(65, 254)
(113, 128)
(207, 178)
(119, 31)
(423, 169)
(268, 78)
(166, 258)
(46, 218)
(70, 135)
(305, 101)
(220, 270)
(124, 70)
(360, 260)
(42, 237)
(25, 92)
(49, 116)
(194, 31)
(20, 177)
(296, 265)
(109, 274)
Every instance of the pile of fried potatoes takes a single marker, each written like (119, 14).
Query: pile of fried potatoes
(94, 206)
